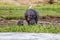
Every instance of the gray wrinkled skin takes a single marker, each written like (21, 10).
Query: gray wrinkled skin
(31, 16)
(20, 22)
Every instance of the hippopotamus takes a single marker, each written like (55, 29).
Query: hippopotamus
(20, 22)
(31, 16)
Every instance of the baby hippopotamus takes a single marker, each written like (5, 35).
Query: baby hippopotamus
(20, 22)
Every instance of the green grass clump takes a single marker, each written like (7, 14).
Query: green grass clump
(31, 28)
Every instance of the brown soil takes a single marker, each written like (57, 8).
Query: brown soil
(45, 20)
(50, 19)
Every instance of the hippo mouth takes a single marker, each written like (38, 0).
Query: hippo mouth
(32, 21)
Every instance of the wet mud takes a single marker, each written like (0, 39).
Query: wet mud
(44, 20)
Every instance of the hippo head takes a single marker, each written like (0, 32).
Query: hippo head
(20, 22)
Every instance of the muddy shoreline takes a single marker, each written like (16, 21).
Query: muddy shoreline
(47, 20)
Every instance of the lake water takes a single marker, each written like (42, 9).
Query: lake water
(29, 36)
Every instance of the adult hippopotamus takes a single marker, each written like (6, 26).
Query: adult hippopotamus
(31, 16)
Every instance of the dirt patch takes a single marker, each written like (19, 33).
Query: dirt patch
(44, 20)
(50, 19)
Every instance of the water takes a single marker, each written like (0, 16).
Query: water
(29, 36)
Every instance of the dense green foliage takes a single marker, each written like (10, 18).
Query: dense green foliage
(31, 28)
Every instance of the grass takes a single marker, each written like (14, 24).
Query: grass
(31, 28)
(16, 12)
(13, 12)
(53, 10)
